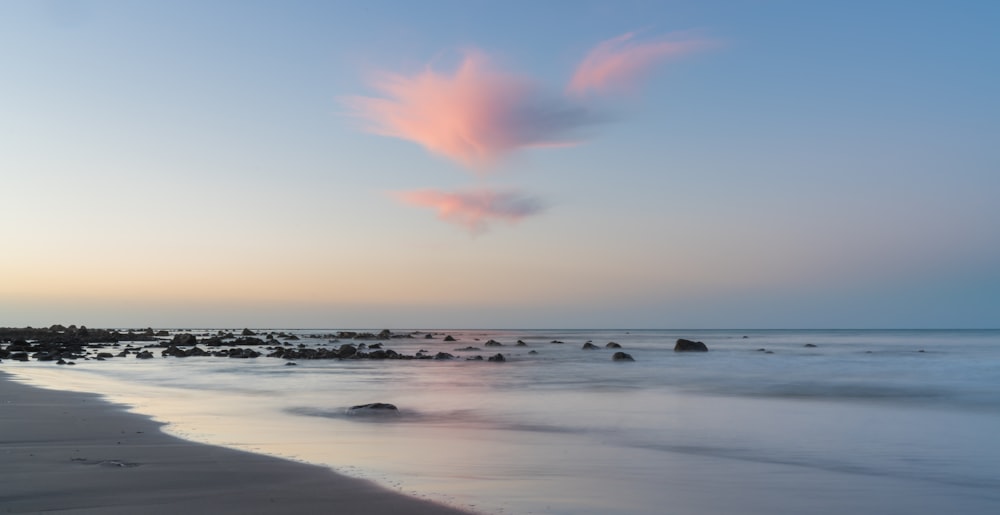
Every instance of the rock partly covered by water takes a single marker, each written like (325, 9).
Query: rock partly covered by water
(498, 357)
(375, 408)
(622, 356)
(590, 346)
(690, 346)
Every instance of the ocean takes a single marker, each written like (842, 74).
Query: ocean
(766, 422)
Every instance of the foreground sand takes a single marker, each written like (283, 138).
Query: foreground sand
(74, 453)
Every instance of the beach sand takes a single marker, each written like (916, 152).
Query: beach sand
(77, 454)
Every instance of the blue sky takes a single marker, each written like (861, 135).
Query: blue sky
(199, 163)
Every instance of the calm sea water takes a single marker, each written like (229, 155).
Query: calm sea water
(900, 422)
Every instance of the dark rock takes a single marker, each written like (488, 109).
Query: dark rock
(470, 348)
(498, 358)
(520, 343)
(449, 338)
(384, 334)
(291, 364)
(621, 356)
(494, 343)
(162, 333)
(533, 352)
(443, 355)
(690, 346)
(185, 339)
(375, 406)
(248, 332)
(556, 341)
(810, 345)
(347, 350)
(144, 355)
(474, 358)
(613, 345)
(429, 336)
(19, 356)
(105, 355)
(590, 346)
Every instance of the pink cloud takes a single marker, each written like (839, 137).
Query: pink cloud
(619, 63)
(474, 209)
(475, 115)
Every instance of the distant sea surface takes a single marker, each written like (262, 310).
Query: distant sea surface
(868, 422)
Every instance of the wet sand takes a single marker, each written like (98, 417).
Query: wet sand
(77, 454)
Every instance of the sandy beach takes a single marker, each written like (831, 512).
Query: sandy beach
(76, 454)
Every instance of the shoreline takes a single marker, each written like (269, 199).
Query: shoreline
(76, 453)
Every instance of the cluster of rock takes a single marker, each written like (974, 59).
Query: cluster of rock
(64, 344)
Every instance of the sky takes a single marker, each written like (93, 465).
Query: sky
(472, 164)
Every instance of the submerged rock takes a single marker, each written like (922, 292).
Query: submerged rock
(375, 407)
(622, 356)
(613, 345)
(590, 346)
(690, 346)
(498, 358)
(494, 343)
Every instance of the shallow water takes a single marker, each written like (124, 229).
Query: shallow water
(863, 422)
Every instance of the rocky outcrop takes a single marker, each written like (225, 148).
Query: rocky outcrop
(184, 339)
(590, 346)
(684, 345)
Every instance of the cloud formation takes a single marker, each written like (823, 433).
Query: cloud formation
(475, 209)
(619, 63)
(475, 116)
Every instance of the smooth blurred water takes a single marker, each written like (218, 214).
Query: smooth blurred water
(864, 422)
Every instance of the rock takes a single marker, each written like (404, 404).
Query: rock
(474, 358)
(384, 334)
(144, 355)
(533, 352)
(494, 343)
(443, 355)
(347, 350)
(184, 339)
(621, 356)
(449, 338)
(590, 346)
(162, 333)
(19, 356)
(291, 364)
(247, 332)
(613, 345)
(104, 355)
(555, 341)
(689, 346)
(470, 348)
(810, 345)
(498, 358)
(520, 343)
(61, 362)
(375, 408)
(429, 336)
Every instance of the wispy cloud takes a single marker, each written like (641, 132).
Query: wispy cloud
(619, 63)
(475, 116)
(475, 209)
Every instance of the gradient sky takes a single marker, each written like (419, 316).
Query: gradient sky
(644, 164)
